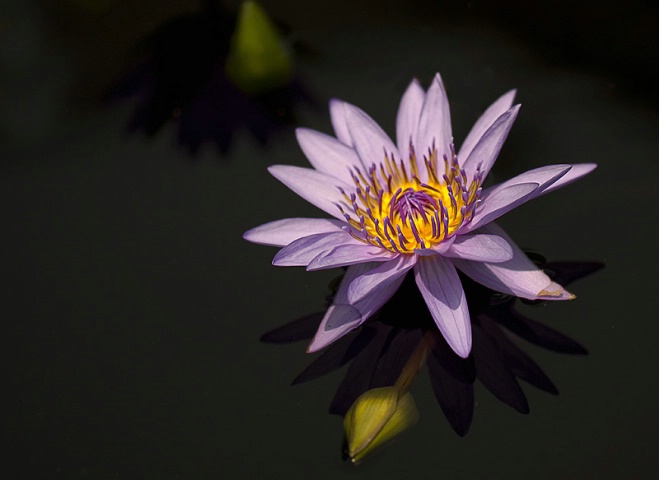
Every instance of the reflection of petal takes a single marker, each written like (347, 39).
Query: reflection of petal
(455, 398)
(535, 332)
(461, 369)
(388, 352)
(300, 329)
(521, 365)
(359, 376)
(494, 374)
(336, 355)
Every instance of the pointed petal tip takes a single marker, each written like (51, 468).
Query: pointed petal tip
(277, 262)
(555, 292)
(338, 321)
(272, 169)
(462, 350)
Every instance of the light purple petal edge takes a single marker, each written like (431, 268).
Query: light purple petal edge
(280, 233)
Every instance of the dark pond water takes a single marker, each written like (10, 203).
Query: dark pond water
(132, 309)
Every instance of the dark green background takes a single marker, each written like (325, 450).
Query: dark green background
(131, 308)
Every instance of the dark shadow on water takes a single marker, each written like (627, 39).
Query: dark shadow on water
(377, 352)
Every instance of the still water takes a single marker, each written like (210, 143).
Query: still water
(133, 310)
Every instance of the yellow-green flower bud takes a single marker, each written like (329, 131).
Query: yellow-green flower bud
(377, 416)
(258, 59)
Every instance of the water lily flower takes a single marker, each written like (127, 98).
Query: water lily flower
(414, 205)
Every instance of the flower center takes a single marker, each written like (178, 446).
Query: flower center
(393, 209)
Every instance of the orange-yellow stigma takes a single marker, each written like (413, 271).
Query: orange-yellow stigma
(393, 209)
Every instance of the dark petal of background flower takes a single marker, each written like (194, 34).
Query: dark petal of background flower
(178, 60)
(181, 78)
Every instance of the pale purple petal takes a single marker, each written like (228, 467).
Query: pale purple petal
(370, 141)
(499, 202)
(407, 120)
(576, 172)
(338, 117)
(544, 176)
(379, 277)
(317, 188)
(338, 320)
(518, 276)
(327, 154)
(440, 248)
(501, 198)
(300, 252)
(282, 232)
(440, 286)
(343, 317)
(485, 121)
(435, 121)
(349, 255)
(488, 147)
(481, 248)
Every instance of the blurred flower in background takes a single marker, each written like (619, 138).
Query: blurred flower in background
(386, 353)
(213, 73)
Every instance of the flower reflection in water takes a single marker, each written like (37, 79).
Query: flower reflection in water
(213, 73)
(387, 352)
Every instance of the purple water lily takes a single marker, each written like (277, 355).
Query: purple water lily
(417, 205)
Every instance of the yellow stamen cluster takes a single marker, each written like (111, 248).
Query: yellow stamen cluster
(393, 208)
